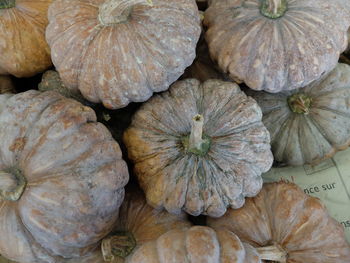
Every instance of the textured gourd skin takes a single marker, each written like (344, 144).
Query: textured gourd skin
(6, 85)
(276, 54)
(298, 139)
(75, 177)
(120, 63)
(179, 180)
(23, 48)
(282, 214)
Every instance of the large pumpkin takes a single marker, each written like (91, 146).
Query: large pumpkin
(276, 45)
(199, 147)
(297, 227)
(118, 51)
(310, 124)
(23, 48)
(61, 178)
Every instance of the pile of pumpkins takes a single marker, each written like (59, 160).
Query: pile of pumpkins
(196, 150)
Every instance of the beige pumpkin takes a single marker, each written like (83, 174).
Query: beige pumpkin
(276, 45)
(62, 178)
(23, 48)
(199, 147)
(310, 124)
(297, 227)
(118, 51)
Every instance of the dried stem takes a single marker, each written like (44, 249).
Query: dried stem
(272, 253)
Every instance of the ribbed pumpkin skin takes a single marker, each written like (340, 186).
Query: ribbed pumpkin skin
(282, 214)
(75, 177)
(276, 54)
(309, 138)
(198, 244)
(124, 62)
(179, 180)
(144, 222)
(23, 48)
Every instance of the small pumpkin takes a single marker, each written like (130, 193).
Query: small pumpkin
(23, 48)
(200, 147)
(276, 45)
(61, 178)
(310, 124)
(6, 85)
(296, 225)
(118, 51)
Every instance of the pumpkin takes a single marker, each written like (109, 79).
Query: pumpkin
(61, 178)
(310, 124)
(297, 227)
(138, 224)
(23, 48)
(276, 45)
(200, 147)
(118, 51)
(6, 85)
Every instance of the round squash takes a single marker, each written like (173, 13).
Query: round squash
(199, 147)
(6, 85)
(23, 48)
(61, 178)
(283, 217)
(310, 124)
(118, 51)
(276, 45)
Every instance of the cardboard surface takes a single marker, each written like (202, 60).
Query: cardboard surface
(329, 181)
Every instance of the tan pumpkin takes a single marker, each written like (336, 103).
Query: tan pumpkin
(200, 147)
(61, 178)
(118, 51)
(297, 227)
(6, 85)
(23, 48)
(310, 124)
(276, 45)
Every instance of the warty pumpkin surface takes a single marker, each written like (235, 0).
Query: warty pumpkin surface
(118, 51)
(284, 217)
(276, 45)
(61, 178)
(310, 124)
(23, 48)
(199, 147)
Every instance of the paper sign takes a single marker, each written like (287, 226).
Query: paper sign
(329, 181)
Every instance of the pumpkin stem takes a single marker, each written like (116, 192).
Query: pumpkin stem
(12, 184)
(121, 244)
(273, 253)
(299, 103)
(118, 11)
(7, 4)
(273, 8)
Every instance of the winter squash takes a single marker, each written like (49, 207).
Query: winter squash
(61, 178)
(294, 225)
(23, 48)
(199, 147)
(138, 224)
(276, 45)
(310, 124)
(118, 51)
(6, 85)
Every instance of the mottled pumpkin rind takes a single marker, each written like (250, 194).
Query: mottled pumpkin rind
(283, 214)
(75, 178)
(176, 180)
(23, 48)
